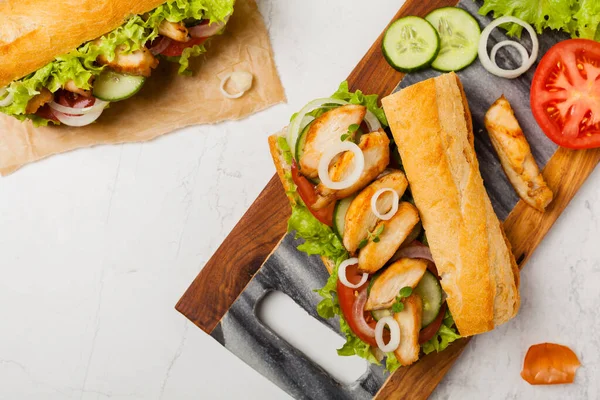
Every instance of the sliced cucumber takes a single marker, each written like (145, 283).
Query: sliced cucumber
(459, 34)
(378, 314)
(410, 43)
(430, 290)
(339, 215)
(113, 86)
(299, 150)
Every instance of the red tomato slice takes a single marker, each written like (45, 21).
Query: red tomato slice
(565, 94)
(176, 48)
(346, 297)
(73, 100)
(549, 364)
(307, 193)
(46, 113)
(430, 330)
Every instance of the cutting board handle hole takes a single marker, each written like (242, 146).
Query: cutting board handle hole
(282, 315)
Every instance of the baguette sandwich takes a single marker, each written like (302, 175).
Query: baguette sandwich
(402, 222)
(64, 62)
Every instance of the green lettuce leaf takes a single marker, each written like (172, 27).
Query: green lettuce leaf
(444, 336)
(579, 18)
(391, 362)
(369, 101)
(184, 59)
(80, 64)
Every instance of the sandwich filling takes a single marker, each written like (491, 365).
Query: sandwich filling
(352, 206)
(74, 87)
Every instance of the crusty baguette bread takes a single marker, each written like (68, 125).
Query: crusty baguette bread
(34, 32)
(432, 127)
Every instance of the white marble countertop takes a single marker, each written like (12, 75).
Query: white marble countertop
(97, 246)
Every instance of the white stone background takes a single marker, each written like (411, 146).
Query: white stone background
(97, 246)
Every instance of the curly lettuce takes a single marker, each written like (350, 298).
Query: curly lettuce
(579, 18)
(80, 64)
(444, 336)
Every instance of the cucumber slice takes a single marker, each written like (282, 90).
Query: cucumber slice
(339, 215)
(378, 314)
(410, 44)
(113, 86)
(299, 150)
(459, 34)
(430, 290)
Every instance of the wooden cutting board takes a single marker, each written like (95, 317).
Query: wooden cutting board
(230, 271)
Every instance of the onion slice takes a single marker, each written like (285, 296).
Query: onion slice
(490, 65)
(80, 120)
(243, 81)
(207, 30)
(393, 210)
(294, 128)
(328, 156)
(394, 334)
(344, 279)
(8, 100)
(358, 314)
(414, 251)
(161, 45)
(98, 105)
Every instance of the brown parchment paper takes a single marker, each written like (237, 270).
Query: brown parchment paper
(167, 101)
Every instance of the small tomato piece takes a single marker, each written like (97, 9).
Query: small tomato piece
(549, 364)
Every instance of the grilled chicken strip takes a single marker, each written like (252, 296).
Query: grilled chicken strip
(404, 272)
(140, 62)
(73, 88)
(325, 131)
(360, 218)
(38, 101)
(515, 155)
(376, 150)
(409, 321)
(174, 30)
(395, 230)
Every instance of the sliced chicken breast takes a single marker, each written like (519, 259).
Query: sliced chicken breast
(45, 96)
(325, 131)
(515, 155)
(395, 230)
(174, 30)
(140, 62)
(409, 321)
(376, 150)
(404, 272)
(360, 219)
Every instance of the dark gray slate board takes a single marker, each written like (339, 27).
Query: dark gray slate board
(296, 274)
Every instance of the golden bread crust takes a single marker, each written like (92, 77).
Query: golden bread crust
(432, 126)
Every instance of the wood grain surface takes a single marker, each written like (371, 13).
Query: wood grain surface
(245, 249)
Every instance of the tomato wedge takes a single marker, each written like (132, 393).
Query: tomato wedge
(430, 330)
(175, 48)
(347, 297)
(549, 364)
(565, 94)
(307, 193)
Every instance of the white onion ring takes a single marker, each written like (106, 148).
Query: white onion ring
(207, 30)
(330, 153)
(8, 100)
(98, 104)
(413, 251)
(294, 128)
(344, 279)
(522, 50)
(238, 94)
(492, 67)
(161, 46)
(79, 120)
(394, 334)
(358, 314)
(393, 210)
